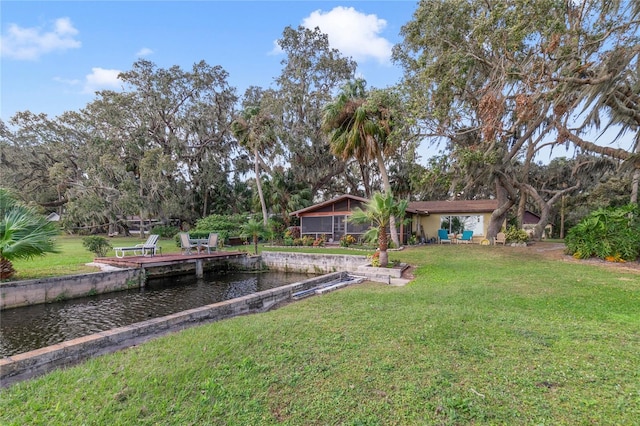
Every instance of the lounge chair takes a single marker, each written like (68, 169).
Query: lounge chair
(443, 236)
(186, 245)
(149, 247)
(212, 243)
(500, 238)
(467, 237)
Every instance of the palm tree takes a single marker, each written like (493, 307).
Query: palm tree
(253, 229)
(254, 130)
(23, 233)
(359, 125)
(378, 211)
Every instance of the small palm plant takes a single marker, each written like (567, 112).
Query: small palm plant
(23, 233)
(253, 229)
(378, 212)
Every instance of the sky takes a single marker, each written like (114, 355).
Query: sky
(56, 54)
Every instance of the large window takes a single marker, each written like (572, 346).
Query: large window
(317, 225)
(457, 224)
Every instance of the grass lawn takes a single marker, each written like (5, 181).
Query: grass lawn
(73, 257)
(483, 335)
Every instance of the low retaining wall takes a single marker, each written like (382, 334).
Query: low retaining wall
(30, 364)
(311, 263)
(32, 292)
(16, 294)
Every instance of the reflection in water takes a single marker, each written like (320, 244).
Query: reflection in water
(33, 327)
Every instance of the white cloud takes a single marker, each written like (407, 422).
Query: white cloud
(276, 48)
(353, 33)
(31, 43)
(100, 79)
(145, 51)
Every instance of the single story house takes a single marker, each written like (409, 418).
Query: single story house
(454, 216)
(423, 218)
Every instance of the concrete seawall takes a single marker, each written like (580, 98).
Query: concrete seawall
(312, 263)
(47, 290)
(34, 363)
(30, 364)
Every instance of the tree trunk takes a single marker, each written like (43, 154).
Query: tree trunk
(263, 204)
(544, 206)
(383, 244)
(6, 269)
(499, 215)
(387, 188)
(634, 186)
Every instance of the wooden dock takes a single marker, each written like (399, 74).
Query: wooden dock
(163, 264)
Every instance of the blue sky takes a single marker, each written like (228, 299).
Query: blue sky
(56, 54)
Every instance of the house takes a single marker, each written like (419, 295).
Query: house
(329, 218)
(422, 219)
(454, 216)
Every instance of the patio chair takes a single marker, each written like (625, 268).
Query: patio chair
(212, 243)
(149, 247)
(443, 236)
(500, 238)
(186, 245)
(467, 237)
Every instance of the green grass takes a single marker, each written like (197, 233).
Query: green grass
(73, 257)
(483, 335)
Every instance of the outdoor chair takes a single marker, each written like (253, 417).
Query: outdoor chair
(212, 243)
(186, 245)
(500, 238)
(443, 236)
(149, 247)
(467, 237)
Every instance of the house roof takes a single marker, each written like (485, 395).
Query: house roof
(457, 206)
(328, 202)
(530, 218)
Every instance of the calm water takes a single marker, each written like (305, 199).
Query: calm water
(34, 327)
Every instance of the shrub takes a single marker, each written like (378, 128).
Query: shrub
(292, 232)
(610, 233)
(515, 235)
(347, 240)
(97, 245)
(375, 259)
(217, 222)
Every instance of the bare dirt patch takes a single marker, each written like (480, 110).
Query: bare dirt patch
(555, 251)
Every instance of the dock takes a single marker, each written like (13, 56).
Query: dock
(175, 263)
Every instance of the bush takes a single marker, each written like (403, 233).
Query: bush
(609, 233)
(165, 231)
(515, 235)
(347, 240)
(217, 222)
(97, 245)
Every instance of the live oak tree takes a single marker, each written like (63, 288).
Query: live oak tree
(311, 72)
(495, 78)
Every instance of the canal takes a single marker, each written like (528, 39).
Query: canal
(33, 327)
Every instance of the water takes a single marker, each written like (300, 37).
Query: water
(34, 327)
